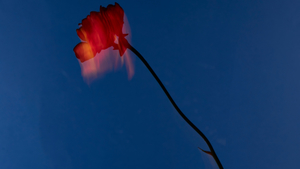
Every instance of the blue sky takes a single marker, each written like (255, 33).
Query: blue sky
(232, 68)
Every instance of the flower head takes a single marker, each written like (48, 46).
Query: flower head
(101, 30)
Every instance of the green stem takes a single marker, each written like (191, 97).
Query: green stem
(212, 151)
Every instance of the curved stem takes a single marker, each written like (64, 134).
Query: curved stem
(212, 151)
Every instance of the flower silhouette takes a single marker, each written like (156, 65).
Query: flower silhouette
(101, 30)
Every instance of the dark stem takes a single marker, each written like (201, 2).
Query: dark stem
(176, 107)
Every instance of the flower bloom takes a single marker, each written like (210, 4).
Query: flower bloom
(101, 34)
(101, 30)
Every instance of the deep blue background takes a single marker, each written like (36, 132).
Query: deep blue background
(232, 67)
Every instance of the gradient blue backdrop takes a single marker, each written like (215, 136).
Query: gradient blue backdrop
(232, 67)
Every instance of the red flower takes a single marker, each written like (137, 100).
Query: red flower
(101, 33)
(101, 30)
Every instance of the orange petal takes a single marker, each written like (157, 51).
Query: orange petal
(83, 51)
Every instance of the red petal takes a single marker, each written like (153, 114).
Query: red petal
(115, 14)
(81, 34)
(123, 45)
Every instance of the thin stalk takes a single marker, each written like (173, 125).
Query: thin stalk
(212, 151)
